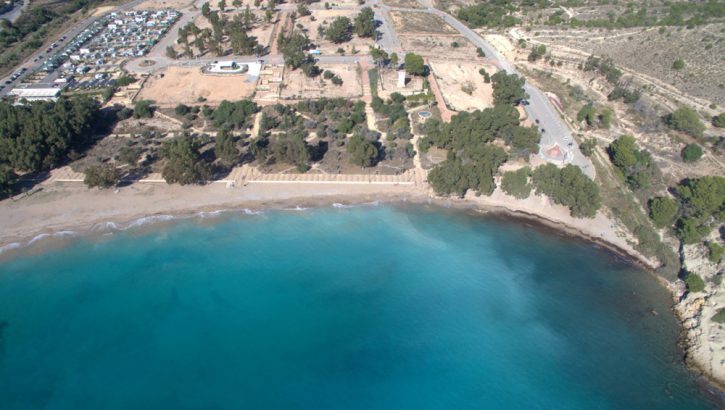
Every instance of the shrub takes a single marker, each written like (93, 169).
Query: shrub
(691, 153)
(719, 120)
(101, 176)
(694, 283)
(715, 251)
(328, 74)
(182, 109)
(719, 317)
(685, 119)
(679, 64)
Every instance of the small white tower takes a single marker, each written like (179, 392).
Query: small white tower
(401, 79)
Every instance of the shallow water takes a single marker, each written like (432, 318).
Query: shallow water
(372, 307)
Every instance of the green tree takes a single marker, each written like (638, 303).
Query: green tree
(101, 176)
(587, 147)
(143, 109)
(233, 115)
(8, 178)
(205, 10)
(685, 119)
(171, 53)
(703, 197)
(365, 23)
(222, 5)
(694, 283)
(508, 88)
(568, 187)
(339, 31)
(394, 60)
(362, 152)
(679, 64)
(691, 153)
(663, 211)
(537, 52)
(184, 163)
(225, 149)
(516, 183)
(303, 10)
(414, 64)
(637, 166)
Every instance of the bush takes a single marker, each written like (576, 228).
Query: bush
(719, 317)
(691, 153)
(685, 119)
(182, 109)
(679, 64)
(587, 147)
(663, 211)
(516, 183)
(101, 176)
(719, 120)
(328, 74)
(694, 283)
(715, 251)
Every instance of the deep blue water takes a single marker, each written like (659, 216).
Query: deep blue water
(363, 308)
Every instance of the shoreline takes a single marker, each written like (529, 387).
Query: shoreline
(19, 240)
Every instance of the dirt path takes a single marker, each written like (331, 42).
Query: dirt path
(446, 114)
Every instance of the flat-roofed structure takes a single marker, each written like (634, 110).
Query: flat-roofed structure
(36, 94)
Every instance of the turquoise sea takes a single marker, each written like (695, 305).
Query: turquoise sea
(372, 307)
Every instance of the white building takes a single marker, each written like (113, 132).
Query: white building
(36, 94)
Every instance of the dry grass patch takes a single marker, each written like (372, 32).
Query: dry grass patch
(409, 22)
(462, 86)
(296, 85)
(164, 4)
(406, 4)
(439, 47)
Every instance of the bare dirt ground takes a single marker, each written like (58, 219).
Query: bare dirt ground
(436, 46)
(164, 4)
(652, 52)
(296, 85)
(324, 18)
(407, 4)
(182, 85)
(389, 85)
(408, 22)
(457, 79)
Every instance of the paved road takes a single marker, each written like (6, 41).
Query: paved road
(554, 130)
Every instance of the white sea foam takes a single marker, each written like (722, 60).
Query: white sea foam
(251, 212)
(297, 208)
(147, 220)
(210, 214)
(37, 238)
(105, 226)
(10, 246)
(58, 234)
